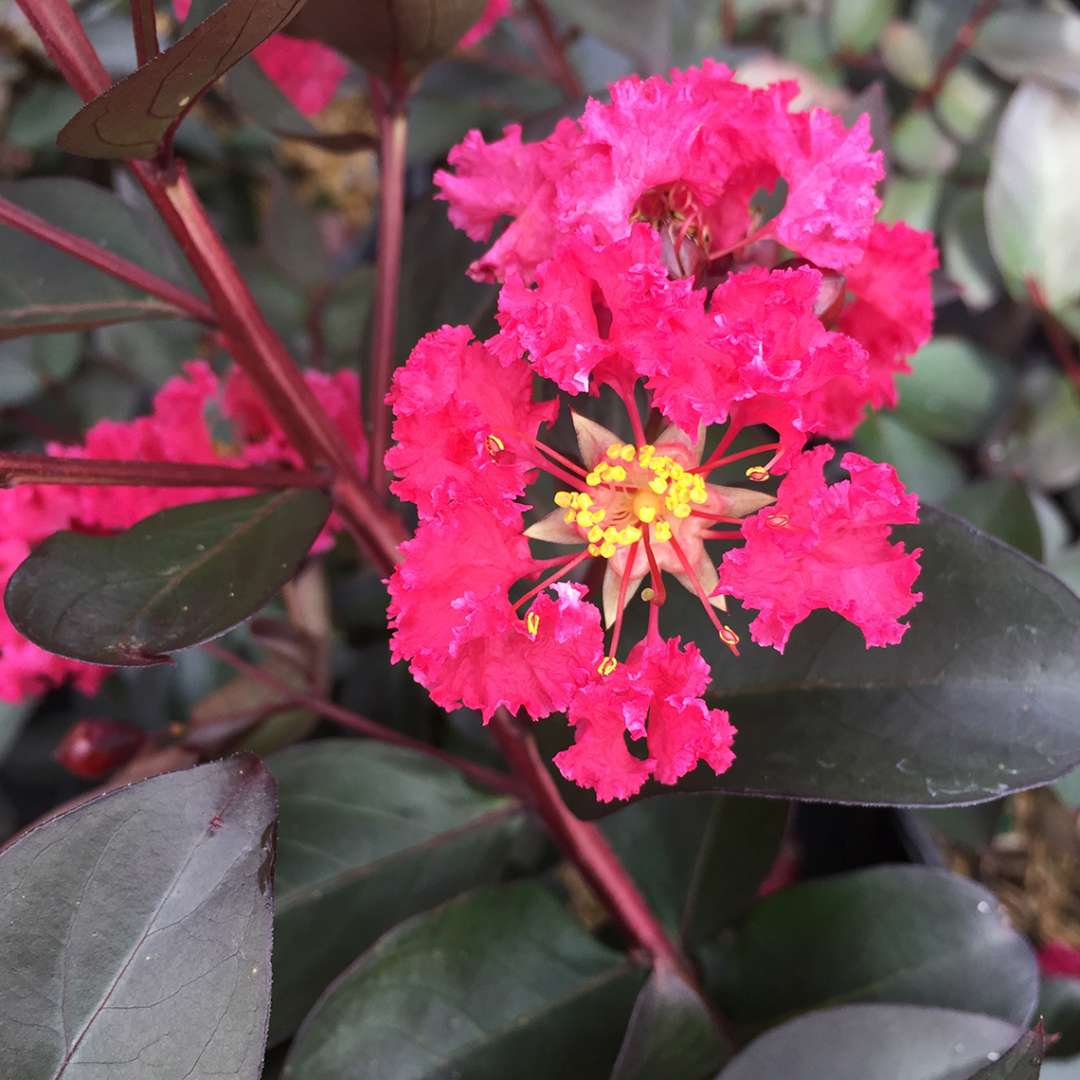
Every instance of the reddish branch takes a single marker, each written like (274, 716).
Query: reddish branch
(257, 349)
(555, 48)
(489, 778)
(393, 136)
(1056, 334)
(144, 28)
(18, 469)
(118, 267)
(965, 38)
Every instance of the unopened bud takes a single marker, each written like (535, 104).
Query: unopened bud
(93, 748)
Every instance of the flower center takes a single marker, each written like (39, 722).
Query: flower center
(635, 487)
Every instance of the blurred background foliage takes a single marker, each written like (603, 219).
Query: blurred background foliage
(976, 105)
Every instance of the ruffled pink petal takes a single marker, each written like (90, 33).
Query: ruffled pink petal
(827, 546)
(463, 426)
(601, 314)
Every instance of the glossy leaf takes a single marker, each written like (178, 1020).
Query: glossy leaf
(979, 699)
(369, 835)
(698, 861)
(670, 1034)
(392, 39)
(902, 934)
(134, 116)
(177, 578)
(503, 982)
(42, 290)
(136, 934)
(875, 1042)
(1023, 1061)
(1032, 213)
(1003, 508)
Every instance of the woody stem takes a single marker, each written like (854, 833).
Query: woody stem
(390, 110)
(18, 469)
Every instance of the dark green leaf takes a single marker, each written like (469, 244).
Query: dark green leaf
(670, 1034)
(1032, 213)
(965, 249)
(135, 942)
(1059, 1006)
(979, 699)
(857, 24)
(902, 934)
(369, 835)
(1003, 508)
(698, 861)
(952, 390)
(921, 146)
(177, 578)
(499, 983)
(134, 116)
(875, 1042)
(393, 38)
(43, 290)
(1022, 1062)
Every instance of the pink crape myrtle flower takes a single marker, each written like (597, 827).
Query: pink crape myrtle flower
(636, 269)
(307, 72)
(181, 427)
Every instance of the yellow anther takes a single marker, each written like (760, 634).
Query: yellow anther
(494, 445)
(532, 623)
(681, 511)
(628, 453)
(629, 535)
(757, 474)
(570, 516)
(677, 471)
(658, 484)
(564, 498)
(614, 450)
(610, 533)
(646, 513)
(699, 495)
(584, 502)
(616, 474)
(593, 479)
(599, 515)
(607, 665)
(647, 594)
(662, 532)
(645, 453)
(607, 549)
(596, 534)
(728, 636)
(584, 518)
(594, 550)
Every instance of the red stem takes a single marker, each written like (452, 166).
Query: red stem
(18, 469)
(144, 29)
(562, 70)
(1056, 334)
(963, 41)
(393, 140)
(118, 267)
(489, 778)
(585, 846)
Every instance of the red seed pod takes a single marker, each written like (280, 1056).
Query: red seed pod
(93, 748)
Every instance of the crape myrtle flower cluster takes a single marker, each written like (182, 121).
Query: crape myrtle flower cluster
(197, 418)
(309, 73)
(635, 260)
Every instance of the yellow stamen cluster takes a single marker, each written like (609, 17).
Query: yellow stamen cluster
(607, 665)
(670, 491)
(532, 623)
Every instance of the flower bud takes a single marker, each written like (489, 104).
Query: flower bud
(93, 748)
(394, 40)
